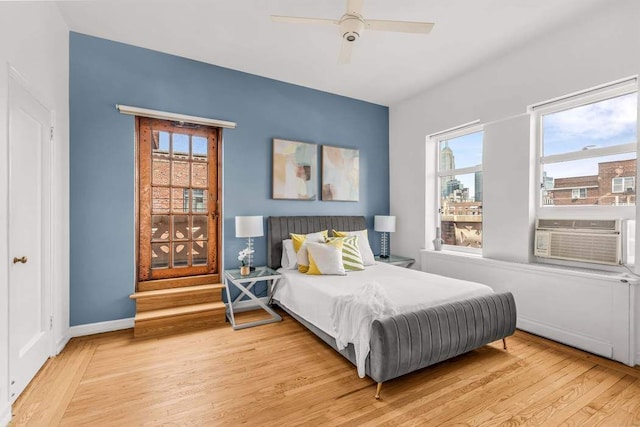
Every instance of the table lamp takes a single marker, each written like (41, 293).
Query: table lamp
(249, 226)
(384, 224)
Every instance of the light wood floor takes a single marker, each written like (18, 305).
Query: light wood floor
(280, 374)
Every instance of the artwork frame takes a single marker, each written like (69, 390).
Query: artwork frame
(294, 170)
(340, 174)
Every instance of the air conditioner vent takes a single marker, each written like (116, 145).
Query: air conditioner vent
(594, 241)
(599, 248)
(579, 224)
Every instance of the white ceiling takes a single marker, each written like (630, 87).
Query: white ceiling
(385, 67)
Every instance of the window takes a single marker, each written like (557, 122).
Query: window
(588, 148)
(579, 193)
(623, 184)
(460, 186)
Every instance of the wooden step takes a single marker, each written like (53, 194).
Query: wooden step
(179, 319)
(176, 297)
(178, 282)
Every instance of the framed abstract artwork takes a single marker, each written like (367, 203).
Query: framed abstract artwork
(294, 170)
(340, 174)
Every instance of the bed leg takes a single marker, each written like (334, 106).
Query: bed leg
(378, 390)
(504, 343)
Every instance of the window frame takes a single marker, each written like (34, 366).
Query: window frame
(436, 139)
(579, 190)
(624, 187)
(601, 93)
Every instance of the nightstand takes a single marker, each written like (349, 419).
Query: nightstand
(245, 284)
(398, 260)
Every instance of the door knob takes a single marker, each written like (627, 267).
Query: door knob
(22, 260)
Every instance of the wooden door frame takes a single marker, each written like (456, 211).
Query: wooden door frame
(218, 274)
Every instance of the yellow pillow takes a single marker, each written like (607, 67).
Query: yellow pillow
(326, 258)
(299, 245)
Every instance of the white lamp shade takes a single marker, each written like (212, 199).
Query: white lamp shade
(249, 226)
(384, 223)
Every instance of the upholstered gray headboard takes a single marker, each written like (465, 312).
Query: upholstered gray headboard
(279, 228)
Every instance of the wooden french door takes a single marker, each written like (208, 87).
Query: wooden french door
(179, 199)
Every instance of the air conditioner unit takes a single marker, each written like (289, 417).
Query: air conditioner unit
(595, 241)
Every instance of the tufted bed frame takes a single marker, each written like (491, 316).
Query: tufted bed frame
(406, 342)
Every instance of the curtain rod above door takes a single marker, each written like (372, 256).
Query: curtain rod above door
(155, 114)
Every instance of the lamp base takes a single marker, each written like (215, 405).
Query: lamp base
(384, 256)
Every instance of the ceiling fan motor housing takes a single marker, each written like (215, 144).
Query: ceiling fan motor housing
(351, 27)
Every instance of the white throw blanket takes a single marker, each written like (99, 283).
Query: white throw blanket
(352, 316)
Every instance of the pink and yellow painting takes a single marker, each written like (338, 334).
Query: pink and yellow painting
(340, 174)
(294, 170)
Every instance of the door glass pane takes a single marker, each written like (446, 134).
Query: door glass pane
(199, 148)
(199, 229)
(199, 201)
(181, 254)
(180, 227)
(199, 253)
(160, 172)
(199, 175)
(179, 200)
(180, 176)
(159, 255)
(160, 202)
(180, 145)
(159, 228)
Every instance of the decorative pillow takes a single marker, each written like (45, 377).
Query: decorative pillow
(289, 261)
(325, 258)
(351, 258)
(363, 244)
(300, 246)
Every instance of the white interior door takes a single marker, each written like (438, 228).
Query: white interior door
(29, 239)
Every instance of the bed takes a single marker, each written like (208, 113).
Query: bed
(461, 319)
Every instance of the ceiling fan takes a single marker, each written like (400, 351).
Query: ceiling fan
(352, 24)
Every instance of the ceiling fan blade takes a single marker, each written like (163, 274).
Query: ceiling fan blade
(301, 20)
(399, 26)
(345, 52)
(354, 6)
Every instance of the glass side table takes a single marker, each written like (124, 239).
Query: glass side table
(398, 260)
(245, 284)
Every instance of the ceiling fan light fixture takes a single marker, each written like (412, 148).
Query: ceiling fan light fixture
(351, 26)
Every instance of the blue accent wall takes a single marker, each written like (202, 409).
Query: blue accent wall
(103, 73)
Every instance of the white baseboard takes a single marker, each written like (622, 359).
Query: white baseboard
(62, 342)
(100, 327)
(5, 415)
(573, 339)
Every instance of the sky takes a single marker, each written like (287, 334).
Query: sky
(601, 124)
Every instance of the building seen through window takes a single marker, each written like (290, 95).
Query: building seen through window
(460, 172)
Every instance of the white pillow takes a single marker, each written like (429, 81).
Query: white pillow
(325, 258)
(289, 260)
(300, 243)
(363, 244)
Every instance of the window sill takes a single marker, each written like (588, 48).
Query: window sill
(618, 277)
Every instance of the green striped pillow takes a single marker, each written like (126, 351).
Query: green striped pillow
(351, 258)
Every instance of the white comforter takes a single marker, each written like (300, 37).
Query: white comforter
(345, 306)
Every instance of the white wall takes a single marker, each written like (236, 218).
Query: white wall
(35, 41)
(595, 49)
